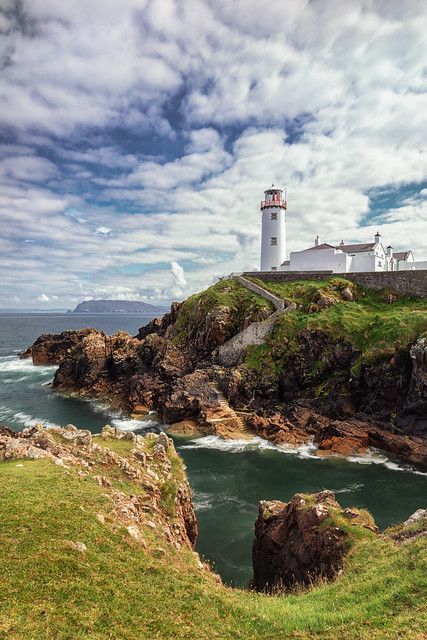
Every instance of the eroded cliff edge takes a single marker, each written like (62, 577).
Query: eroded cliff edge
(97, 535)
(346, 368)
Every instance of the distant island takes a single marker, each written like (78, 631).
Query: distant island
(116, 306)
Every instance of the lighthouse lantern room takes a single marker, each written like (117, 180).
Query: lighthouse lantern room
(273, 237)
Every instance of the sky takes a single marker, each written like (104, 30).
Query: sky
(137, 138)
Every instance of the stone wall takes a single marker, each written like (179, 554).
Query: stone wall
(278, 303)
(410, 283)
(231, 352)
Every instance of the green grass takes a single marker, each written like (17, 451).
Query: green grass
(376, 328)
(119, 590)
(224, 294)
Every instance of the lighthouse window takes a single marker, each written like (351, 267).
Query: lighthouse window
(274, 215)
(274, 241)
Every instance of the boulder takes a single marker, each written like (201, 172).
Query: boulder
(301, 542)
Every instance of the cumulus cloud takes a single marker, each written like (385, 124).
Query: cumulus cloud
(178, 274)
(43, 298)
(164, 121)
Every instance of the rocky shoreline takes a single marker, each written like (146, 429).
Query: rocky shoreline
(296, 544)
(171, 367)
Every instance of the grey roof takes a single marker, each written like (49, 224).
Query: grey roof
(324, 245)
(356, 248)
(401, 255)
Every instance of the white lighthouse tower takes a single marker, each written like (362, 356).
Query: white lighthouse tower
(273, 236)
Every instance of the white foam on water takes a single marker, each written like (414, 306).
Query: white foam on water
(203, 501)
(376, 457)
(11, 364)
(252, 444)
(29, 421)
(127, 424)
(306, 451)
(352, 487)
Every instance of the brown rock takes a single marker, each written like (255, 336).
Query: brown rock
(293, 546)
(52, 348)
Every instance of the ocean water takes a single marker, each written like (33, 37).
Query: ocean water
(228, 478)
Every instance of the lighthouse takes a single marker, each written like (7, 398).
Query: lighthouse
(273, 236)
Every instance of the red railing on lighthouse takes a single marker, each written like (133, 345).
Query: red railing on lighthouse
(274, 200)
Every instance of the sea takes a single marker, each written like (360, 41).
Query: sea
(228, 478)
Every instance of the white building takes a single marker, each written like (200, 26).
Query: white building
(341, 258)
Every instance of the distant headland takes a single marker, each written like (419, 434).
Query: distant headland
(116, 306)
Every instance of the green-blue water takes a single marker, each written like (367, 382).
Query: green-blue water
(228, 479)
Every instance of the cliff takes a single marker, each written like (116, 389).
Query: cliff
(97, 536)
(341, 365)
(116, 306)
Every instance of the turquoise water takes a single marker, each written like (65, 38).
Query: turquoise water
(228, 479)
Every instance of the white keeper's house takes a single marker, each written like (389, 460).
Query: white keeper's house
(323, 256)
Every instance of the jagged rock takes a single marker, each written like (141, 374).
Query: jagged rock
(420, 514)
(415, 404)
(52, 348)
(299, 543)
(174, 374)
(413, 528)
(71, 448)
(184, 428)
(347, 294)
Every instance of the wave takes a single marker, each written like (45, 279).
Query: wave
(203, 501)
(29, 421)
(252, 444)
(12, 364)
(377, 457)
(306, 451)
(128, 424)
(355, 486)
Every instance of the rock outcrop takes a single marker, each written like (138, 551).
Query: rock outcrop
(162, 496)
(316, 393)
(301, 542)
(52, 348)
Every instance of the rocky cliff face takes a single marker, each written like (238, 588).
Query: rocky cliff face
(317, 393)
(161, 498)
(306, 540)
(52, 348)
(299, 543)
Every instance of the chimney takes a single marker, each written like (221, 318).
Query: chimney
(377, 237)
(390, 251)
(342, 243)
(316, 241)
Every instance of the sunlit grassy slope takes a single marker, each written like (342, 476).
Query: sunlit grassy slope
(117, 589)
(375, 326)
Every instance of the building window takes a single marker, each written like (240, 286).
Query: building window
(273, 241)
(274, 215)
(274, 268)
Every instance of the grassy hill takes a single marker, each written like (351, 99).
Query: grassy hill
(113, 587)
(376, 323)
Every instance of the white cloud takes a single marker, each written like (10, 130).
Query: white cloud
(351, 73)
(43, 298)
(178, 274)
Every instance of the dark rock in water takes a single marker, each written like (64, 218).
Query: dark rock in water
(52, 348)
(299, 543)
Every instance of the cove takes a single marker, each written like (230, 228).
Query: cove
(228, 478)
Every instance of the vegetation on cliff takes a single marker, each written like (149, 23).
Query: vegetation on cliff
(227, 298)
(376, 323)
(73, 568)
